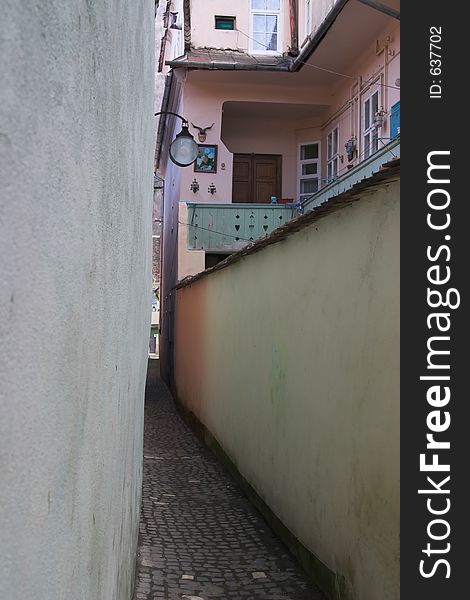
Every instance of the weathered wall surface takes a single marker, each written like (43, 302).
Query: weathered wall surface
(290, 358)
(204, 34)
(76, 151)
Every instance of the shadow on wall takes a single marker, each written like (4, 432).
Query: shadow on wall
(153, 376)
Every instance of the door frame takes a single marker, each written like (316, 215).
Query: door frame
(252, 156)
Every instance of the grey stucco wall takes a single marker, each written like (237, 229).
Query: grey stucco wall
(76, 156)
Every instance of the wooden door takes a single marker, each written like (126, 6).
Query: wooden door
(256, 177)
(242, 178)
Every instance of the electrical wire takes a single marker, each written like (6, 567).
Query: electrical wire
(236, 237)
(355, 77)
(301, 61)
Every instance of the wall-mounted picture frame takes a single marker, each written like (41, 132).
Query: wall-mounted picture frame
(206, 161)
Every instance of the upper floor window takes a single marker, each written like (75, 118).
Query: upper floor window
(370, 130)
(225, 23)
(265, 21)
(309, 169)
(332, 154)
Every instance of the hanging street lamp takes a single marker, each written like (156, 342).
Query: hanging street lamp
(184, 148)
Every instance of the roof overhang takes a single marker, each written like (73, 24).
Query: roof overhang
(337, 39)
(229, 60)
(342, 21)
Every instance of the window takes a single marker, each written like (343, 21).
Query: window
(332, 154)
(225, 23)
(174, 19)
(309, 163)
(265, 18)
(370, 131)
(395, 120)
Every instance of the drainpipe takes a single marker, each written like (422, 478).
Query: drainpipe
(163, 118)
(387, 10)
(314, 41)
(294, 28)
(385, 78)
(187, 25)
(161, 58)
(359, 118)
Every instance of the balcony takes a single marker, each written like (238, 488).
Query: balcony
(363, 170)
(226, 228)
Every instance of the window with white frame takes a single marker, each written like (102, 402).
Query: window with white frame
(265, 24)
(309, 169)
(370, 131)
(332, 154)
(308, 17)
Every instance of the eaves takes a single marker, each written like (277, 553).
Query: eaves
(287, 64)
(315, 39)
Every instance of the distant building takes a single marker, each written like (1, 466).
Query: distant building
(155, 323)
(295, 100)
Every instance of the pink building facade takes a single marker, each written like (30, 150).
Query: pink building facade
(297, 98)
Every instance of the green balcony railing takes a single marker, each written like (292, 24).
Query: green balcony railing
(361, 171)
(229, 227)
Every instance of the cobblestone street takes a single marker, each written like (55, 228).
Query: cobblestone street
(200, 538)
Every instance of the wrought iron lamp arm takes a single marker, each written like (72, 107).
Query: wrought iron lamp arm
(167, 112)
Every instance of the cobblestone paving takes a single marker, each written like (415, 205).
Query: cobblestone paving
(200, 538)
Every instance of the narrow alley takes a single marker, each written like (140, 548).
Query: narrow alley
(200, 538)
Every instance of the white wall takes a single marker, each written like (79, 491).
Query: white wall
(76, 149)
(174, 46)
(318, 11)
(159, 76)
